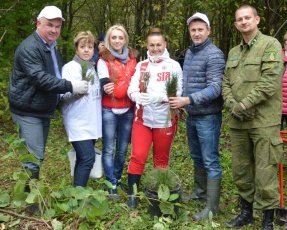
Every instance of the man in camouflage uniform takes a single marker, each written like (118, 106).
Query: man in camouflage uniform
(252, 93)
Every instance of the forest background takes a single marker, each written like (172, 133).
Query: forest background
(17, 21)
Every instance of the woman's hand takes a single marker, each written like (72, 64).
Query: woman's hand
(109, 88)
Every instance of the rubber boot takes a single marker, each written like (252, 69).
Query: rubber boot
(267, 221)
(200, 183)
(213, 195)
(34, 175)
(281, 217)
(113, 193)
(132, 199)
(244, 218)
(33, 208)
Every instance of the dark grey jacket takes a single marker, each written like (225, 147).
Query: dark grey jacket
(202, 77)
(34, 87)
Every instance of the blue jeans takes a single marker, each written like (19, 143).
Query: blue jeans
(85, 159)
(34, 131)
(116, 132)
(203, 138)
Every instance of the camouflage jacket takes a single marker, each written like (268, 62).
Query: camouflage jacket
(253, 76)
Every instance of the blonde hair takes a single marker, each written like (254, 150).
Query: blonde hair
(110, 30)
(87, 36)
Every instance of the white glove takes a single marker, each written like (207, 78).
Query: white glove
(80, 87)
(149, 98)
(135, 96)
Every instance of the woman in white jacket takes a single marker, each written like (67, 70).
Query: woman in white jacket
(152, 123)
(82, 114)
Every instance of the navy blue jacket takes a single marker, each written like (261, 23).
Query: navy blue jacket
(202, 77)
(34, 87)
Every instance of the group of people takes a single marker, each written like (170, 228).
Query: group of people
(122, 101)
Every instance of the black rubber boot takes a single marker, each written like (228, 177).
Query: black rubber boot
(281, 217)
(34, 175)
(33, 208)
(213, 195)
(133, 179)
(267, 221)
(200, 185)
(244, 218)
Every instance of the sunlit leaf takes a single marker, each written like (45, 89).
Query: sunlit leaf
(57, 225)
(4, 199)
(56, 194)
(173, 197)
(63, 206)
(214, 224)
(18, 191)
(31, 198)
(163, 192)
(159, 226)
(4, 218)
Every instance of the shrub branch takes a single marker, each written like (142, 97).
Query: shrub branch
(11, 213)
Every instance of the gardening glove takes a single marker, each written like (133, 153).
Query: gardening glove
(150, 98)
(230, 104)
(135, 96)
(80, 87)
(249, 114)
(238, 111)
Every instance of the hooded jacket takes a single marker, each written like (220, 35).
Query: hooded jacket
(161, 68)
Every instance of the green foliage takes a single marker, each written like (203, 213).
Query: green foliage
(160, 176)
(4, 199)
(171, 86)
(166, 185)
(85, 75)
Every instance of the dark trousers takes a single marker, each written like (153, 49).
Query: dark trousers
(85, 159)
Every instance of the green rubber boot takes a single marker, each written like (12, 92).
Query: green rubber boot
(200, 183)
(212, 200)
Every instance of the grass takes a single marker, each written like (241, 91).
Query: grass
(55, 172)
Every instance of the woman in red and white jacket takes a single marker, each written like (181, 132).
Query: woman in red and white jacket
(152, 123)
(115, 67)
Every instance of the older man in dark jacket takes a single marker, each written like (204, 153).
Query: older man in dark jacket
(202, 76)
(36, 83)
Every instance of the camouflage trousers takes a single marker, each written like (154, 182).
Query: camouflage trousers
(256, 154)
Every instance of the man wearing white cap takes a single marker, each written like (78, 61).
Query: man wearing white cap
(36, 83)
(202, 77)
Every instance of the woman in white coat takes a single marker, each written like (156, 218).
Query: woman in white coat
(82, 114)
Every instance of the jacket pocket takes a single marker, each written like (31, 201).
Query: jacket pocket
(232, 64)
(276, 150)
(252, 70)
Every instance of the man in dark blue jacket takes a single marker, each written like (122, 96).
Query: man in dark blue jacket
(36, 83)
(202, 76)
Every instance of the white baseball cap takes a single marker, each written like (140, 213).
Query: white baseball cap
(50, 12)
(200, 16)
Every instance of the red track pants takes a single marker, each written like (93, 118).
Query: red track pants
(142, 138)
